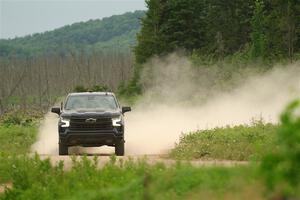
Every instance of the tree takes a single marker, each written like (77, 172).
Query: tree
(184, 27)
(258, 37)
(280, 168)
(215, 27)
(282, 34)
(150, 40)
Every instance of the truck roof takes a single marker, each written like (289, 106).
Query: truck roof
(90, 93)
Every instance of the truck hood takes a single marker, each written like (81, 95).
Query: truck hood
(90, 113)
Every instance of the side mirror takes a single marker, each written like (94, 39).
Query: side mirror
(126, 109)
(56, 110)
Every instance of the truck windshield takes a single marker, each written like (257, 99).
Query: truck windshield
(91, 102)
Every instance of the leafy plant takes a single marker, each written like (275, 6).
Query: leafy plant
(16, 139)
(242, 142)
(18, 118)
(80, 88)
(94, 88)
(281, 168)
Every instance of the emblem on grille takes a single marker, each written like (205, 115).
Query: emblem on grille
(91, 120)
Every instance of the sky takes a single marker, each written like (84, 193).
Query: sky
(24, 17)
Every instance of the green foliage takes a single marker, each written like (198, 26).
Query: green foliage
(283, 27)
(220, 28)
(19, 118)
(215, 27)
(184, 25)
(116, 32)
(100, 88)
(33, 178)
(15, 139)
(258, 37)
(80, 88)
(241, 142)
(130, 92)
(150, 40)
(281, 168)
(95, 88)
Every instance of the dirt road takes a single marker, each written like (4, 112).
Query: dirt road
(150, 159)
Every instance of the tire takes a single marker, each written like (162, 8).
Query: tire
(119, 149)
(63, 149)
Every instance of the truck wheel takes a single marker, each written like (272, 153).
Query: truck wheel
(119, 149)
(63, 149)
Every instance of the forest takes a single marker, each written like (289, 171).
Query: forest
(266, 29)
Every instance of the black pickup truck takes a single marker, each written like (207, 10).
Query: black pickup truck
(91, 119)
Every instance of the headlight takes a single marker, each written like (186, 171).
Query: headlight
(117, 121)
(64, 122)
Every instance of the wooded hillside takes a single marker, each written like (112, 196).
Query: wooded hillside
(111, 33)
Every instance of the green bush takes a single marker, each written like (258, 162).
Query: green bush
(100, 88)
(281, 168)
(80, 88)
(94, 88)
(20, 117)
(241, 142)
(130, 92)
(15, 139)
(17, 120)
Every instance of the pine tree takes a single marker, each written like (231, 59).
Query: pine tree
(258, 37)
(149, 39)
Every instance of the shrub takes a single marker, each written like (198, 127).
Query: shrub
(80, 88)
(281, 168)
(18, 118)
(95, 88)
(242, 142)
(99, 88)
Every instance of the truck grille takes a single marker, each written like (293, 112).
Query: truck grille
(82, 124)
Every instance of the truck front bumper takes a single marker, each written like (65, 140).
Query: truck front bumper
(91, 138)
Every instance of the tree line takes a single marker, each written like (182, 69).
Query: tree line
(264, 29)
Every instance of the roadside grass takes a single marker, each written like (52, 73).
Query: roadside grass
(242, 142)
(17, 139)
(33, 178)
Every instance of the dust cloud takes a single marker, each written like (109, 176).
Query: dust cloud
(181, 98)
(47, 142)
